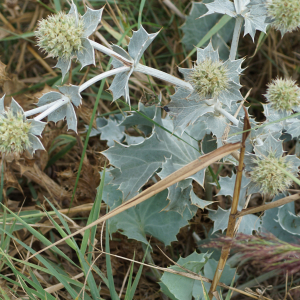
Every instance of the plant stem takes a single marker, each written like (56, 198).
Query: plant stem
(226, 114)
(232, 217)
(110, 52)
(38, 109)
(236, 35)
(163, 76)
(57, 104)
(102, 76)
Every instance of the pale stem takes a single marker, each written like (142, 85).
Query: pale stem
(163, 76)
(102, 76)
(109, 52)
(55, 106)
(236, 35)
(226, 114)
(38, 109)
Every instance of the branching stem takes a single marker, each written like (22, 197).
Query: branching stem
(102, 76)
(163, 76)
(57, 104)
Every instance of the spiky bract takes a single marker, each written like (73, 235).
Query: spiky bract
(285, 14)
(283, 95)
(60, 35)
(209, 78)
(269, 177)
(14, 132)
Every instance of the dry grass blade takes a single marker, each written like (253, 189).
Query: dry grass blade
(183, 173)
(270, 205)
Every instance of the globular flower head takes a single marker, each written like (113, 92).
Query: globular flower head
(269, 176)
(60, 35)
(18, 134)
(283, 95)
(13, 132)
(285, 14)
(66, 35)
(209, 78)
(268, 168)
(214, 79)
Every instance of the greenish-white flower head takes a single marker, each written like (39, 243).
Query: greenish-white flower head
(13, 132)
(269, 169)
(66, 35)
(269, 177)
(283, 95)
(285, 14)
(17, 133)
(60, 35)
(209, 78)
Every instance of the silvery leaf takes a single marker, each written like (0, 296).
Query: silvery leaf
(91, 19)
(16, 108)
(71, 117)
(221, 7)
(72, 92)
(2, 104)
(139, 43)
(74, 12)
(35, 143)
(36, 127)
(199, 202)
(64, 65)
(288, 220)
(48, 98)
(87, 55)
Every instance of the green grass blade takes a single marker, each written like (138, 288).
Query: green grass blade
(111, 284)
(141, 13)
(58, 276)
(94, 215)
(221, 23)
(138, 276)
(39, 236)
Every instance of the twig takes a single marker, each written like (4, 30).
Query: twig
(232, 217)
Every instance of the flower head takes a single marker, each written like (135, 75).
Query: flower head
(209, 78)
(66, 36)
(60, 35)
(268, 169)
(214, 79)
(285, 14)
(18, 134)
(283, 95)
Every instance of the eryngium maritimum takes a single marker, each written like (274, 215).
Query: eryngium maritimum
(17, 133)
(285, 14)
(60, 35)
(66, 36)
(283, 95)
(269, 169)
(209, 78)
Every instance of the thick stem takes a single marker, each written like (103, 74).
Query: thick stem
(226, 114)
(163, 76)
(102, 76)
(236, 35)
(110, 52)
(57, 104)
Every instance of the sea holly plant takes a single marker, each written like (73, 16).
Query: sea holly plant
(169, 160)
(18, 134)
